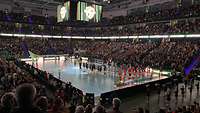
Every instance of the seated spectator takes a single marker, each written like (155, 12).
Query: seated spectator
(88, 108)
(8, 102)
(59, 107)
(116, 105)
(25, 94)
(79, 109)
(42, 104)
(99, 109)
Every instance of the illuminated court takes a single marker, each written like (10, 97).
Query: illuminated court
(88, 81)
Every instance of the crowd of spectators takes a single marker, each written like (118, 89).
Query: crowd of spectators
(156, 53)
(25, 18)
(184, 26)
(164, 54)
(21, 80)
(174, 21)
(159, 15)
(25, 99)
(170, 14)
(26, 89)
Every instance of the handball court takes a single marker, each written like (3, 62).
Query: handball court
(97, 82)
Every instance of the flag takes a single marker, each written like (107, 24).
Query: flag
(25, 49)
(193, 65)
(33, 56)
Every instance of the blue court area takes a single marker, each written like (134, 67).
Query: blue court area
(88, 81)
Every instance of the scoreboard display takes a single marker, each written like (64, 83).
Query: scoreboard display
(89, 12)
(63, 12)
(74, 10)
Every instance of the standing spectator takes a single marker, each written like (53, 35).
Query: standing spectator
(197, 86)
(182, 92)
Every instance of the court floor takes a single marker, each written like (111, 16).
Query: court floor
(88, 81)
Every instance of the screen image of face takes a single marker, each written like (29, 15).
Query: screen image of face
(90, 12)
(63, 12)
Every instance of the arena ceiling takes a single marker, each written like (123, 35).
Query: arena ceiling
(37, 4)
(41, 2)
(48, 4)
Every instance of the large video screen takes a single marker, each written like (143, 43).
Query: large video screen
(89, 12)
(63, 12)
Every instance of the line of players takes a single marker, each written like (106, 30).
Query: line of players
(122, 71)
(91, 66)
(133, 73)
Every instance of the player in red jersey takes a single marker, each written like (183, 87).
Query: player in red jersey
(129, 72)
